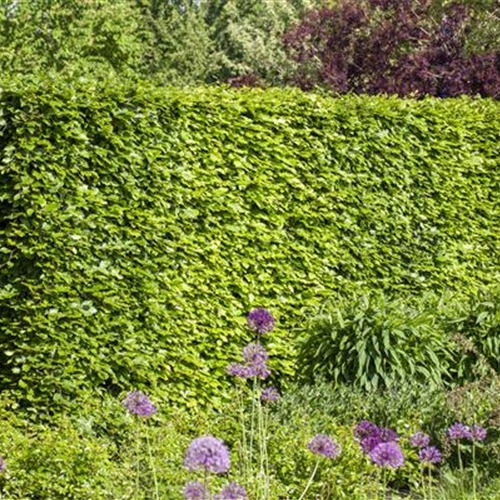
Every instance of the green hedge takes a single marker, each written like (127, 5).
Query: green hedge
(139, 225)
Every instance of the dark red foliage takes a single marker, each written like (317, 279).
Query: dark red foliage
(244, 81)
(392, 47)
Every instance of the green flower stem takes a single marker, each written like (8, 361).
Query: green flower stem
(244, 466)
(461, 467)
(152, 464)
(422, 477)
(474, 471)
(137, 463)
(311, 479)
(252, 419)
(430, 484)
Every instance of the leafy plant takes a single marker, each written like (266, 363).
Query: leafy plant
(403, 47)
(373, 341)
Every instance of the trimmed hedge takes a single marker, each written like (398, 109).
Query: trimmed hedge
(139, 225)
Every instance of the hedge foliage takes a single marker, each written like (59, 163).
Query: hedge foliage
(139, 225)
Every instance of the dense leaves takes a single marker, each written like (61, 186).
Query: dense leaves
(397, 47)
(138, 226)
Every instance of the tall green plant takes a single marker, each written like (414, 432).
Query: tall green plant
(373, 341)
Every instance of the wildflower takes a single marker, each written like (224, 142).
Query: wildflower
(387, 435)
(139, 404)
(255, 354)
(324, 445)
(208, 454)
(3, 465)
(195, 490)
(478, 433)
(232, 492)
(239, 370)
(387, 455)
(370, 442)
(459, 431)
(270, 395)
(364, 429)
(260, 371)
(420, 440)
(260, 320)
(430, 455)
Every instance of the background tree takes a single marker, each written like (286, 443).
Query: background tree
(400, 47)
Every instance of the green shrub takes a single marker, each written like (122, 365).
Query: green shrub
(373, 341)
(137, 223)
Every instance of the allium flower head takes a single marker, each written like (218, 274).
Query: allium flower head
(420, 440)
(260, 370)
(430, 455)
(195, 490)
(255, 354)
(478, 433)
(370, 442)
(322, 444)
(459, 431)
(270, 395)
(387, 455)
(139, 404)
(260, 320)
(239, 370)
(364, 429)
(255, 357)
(209, 454)
(232, 491)
(387, 435)
(3, 465)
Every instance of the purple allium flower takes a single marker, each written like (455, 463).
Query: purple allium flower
(255, 354)
(232, 491)
(260, 320)
(420, 440)
(270, 395)
(239, 370)
(387, 435)
(259, 370)
(195, 490)
(430, 455)
(324, 445)
(209, 454)
(478, 433)
(139, 404)
(364, 429)
(459, 431)
(3, 465)
(387, 455)
(370, 442)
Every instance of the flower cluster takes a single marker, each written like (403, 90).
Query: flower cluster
(195, 490)
(269, 395)
(260, 320)
(255, 363)
(387, 455)
(255, 355)
(380, 444)
(233, 491)
(428, 455)
(207, 454)
(420, 440)
(459, 431)
(324, 445)
(370, 435)
(139, 404)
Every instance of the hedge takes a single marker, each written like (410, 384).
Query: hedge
(139, 225)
